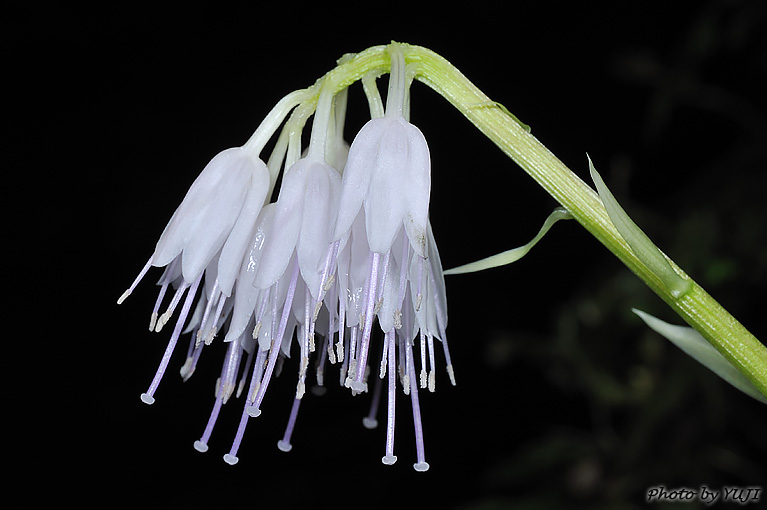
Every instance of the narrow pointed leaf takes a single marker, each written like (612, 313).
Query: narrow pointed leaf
(695, 346)
(637, 240)
(513, 255)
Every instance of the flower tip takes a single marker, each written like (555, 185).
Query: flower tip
(230, 459)
(200, 446)
(153, 321)
(284, 445)
(369, 423)
(389, 459)
(358, 387)
(123, 297)
(162, 320)
(188, 369)
(300, 390)
(451, 374)
(147, 399)
(421, 466)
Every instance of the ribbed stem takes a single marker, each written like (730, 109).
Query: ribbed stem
(695, 306)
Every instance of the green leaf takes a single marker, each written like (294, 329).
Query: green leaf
(513, 255)
(695, 346)
(638, 241)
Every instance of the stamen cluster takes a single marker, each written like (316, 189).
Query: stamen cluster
(344, 256)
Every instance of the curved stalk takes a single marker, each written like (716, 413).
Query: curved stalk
(694, 305)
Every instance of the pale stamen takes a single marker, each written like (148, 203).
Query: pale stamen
(319, 367)
(255, 378)
(384, 360)
(148, 397)
(157, 304)
(390, 458)
(284, 443)
(330, 354)
(328, 274)
(274, 352)
(164, 318)
(421, 464)
(305, 348)
(206, 314)
(189, 364)
(370, 421)
(443, 336)
(213, 330)
(341, 325)
(254, 410)
(168, 276)
(228, 373)
(141, 275)
(248, 364)
(350, 366)
(358, 385)
(419, 292)
(422, 344)
(432, 379)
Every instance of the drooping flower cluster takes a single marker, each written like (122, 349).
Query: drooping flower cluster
(345, 256)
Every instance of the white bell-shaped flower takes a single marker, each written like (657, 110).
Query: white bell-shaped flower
(304, 214)
(336, 253)
(203, 222)
(214, 219)
(388, 174)
(388, 265)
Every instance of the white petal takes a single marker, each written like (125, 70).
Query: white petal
(171, 274)
(192, 210)
(399, 188)
(287, 225)
(203, 221)
(273, 312)
(409, 328)
(357, 174)
(233, 252)
(246, 295)
(386, 201)
(322, 185)
(438, 280)
(265, 333)
(419, 281)
(193, 322)
(353, 268)
(246, 339)
(418, 191)
(432, 327)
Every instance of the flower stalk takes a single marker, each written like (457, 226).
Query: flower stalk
(695, 305)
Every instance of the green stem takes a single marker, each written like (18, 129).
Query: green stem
(695, 306)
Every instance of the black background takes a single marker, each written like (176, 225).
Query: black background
(564, 399)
